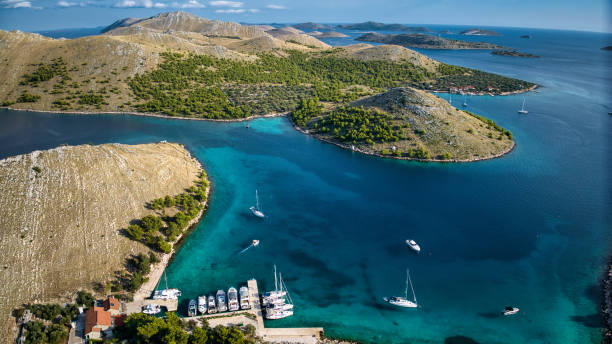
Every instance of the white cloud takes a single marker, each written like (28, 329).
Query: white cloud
(223, 3)
(276, 7)
(240, 10)
(189, 4)
(139, 3)
(253, 10)
(67, 4)
(17, 4)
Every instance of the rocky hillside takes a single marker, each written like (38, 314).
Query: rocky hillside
(411, 124)
(61, 212)
(423, 41)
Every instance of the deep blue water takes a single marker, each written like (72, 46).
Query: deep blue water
(531, 229)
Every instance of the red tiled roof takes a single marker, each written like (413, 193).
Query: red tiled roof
(111, 303)
(96, 316)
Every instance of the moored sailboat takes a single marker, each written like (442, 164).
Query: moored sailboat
(403, 301)
(255, 209)
(278, 303)
(522, 110)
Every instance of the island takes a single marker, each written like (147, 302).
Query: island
(479, 32)
(513, 53)
(525, 36)
(65, 211)
(371, 25)
(405, 123)
(312, 26)
(609, 47)
(182, 66)
(446, 32)
(424, 41)
(328, 34)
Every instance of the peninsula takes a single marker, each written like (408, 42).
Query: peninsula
(424, 41)
(371, 25)
(180, 65)
(479, 32)
(513, 53)
(62, 212)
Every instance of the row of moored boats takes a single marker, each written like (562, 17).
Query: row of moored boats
(233, 301)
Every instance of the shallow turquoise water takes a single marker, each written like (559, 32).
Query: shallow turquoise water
(531, 229)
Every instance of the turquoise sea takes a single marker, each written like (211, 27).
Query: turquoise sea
(532, 229)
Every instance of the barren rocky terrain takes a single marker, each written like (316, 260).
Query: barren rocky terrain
(62, 211)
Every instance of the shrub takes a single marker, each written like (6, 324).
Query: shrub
(26, 97)
(84, 298)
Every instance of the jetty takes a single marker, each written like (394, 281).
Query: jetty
(254, 316)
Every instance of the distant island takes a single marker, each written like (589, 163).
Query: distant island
(328, 34)
(312, 26)
(525, 36)
(424, 41)
(513, 53)
(479, 32)
(446, 32)
(609, 47)
(370, 25)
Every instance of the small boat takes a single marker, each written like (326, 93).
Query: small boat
(278, 304)
(221, 305)
(522, 110)
(151, 309)
(192, 309)
(244, 298)
(202, 304)
(272, 314)
(413, 245)
(232, 299)
(248, 126)
(167, 294)
(465, 101)
(255, 209)
(403, 301)
(510, 310)
(255, 242)
(212, 306)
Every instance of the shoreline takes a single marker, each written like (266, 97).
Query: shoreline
(524, 90)
(153, 278)
(606, 306)
(341, 145)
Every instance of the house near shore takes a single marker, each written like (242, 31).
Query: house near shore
(99, 321)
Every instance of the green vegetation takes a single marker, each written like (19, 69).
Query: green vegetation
(84, 298)
(491, 124)
(192, 85)
(357, 125)
(47, 71)
(455, 76)
(39, 333)
(26, 97)
(306, 110)
(142, 328)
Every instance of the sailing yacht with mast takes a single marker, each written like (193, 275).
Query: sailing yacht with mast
(166, 294)
(255, 209)
(522, 110)
(278, 303)
(403, 301)
(464, 100)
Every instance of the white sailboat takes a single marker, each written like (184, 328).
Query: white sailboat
(403, 301)
(522, 110)
(275, 294)
(278, 303)
(465, 101)
(255, 209)
(166, 294)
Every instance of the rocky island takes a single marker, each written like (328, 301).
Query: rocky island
(63, 212)
(479, 32)
(328, 34)
(513, 53)
(371, 25)
(180, 65)
(424, 41)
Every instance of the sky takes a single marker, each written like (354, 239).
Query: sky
(586, 15)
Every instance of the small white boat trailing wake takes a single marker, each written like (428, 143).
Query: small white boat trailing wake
(509, 310)
(413, 245)
(253, 244)
(255, 209)
(403, 301)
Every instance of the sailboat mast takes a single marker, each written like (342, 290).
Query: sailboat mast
(406, 291)
(275, 281)
(166, 279)
(413, 294)
(256, 200)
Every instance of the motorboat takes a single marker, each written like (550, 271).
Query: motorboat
(167, 294)
(413, 245)
(212, 305)
(232, 299)
(403, 301)
(255, 242)
(255, 209)
(510, 310)
(192, 309)
(221, 301)
(244, 298)
(151, 309)
(202, 304)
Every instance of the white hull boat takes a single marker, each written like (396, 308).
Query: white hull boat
(278, 303)
(202, 304)
(232, 297)
(221, 305)
(151, 309)
(413, 245)
(522, 110)
(212, 305)
(510, 310)
(167, 294)
(244, 298)
(192, 309)
(403, 301)
(255, 209)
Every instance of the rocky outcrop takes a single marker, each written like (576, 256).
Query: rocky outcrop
(424, 41)
(61, 212)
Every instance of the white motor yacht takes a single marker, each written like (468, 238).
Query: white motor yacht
(510, 310)
(244, 298)
(192, 309)
(413, 245)
(202, 304)
(212, 305)
(232, 299)
(151, 309)
(221, 303)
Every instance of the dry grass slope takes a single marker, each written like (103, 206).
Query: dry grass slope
(61, 212)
